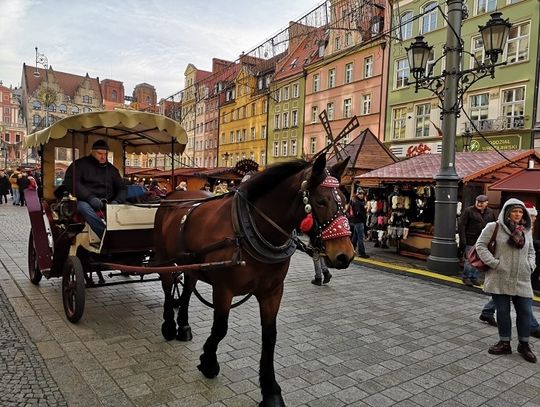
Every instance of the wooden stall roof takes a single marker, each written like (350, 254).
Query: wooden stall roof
(526, 180)
(367, 153)
(138, 171)
(485, 167)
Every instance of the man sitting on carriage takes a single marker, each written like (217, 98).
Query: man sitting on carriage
(94, 181)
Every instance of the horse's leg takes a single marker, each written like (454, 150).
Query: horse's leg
(184, 330)
(222, 304)
(269, 307)
(168, 328)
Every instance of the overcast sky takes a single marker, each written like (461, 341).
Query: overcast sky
(136, 41)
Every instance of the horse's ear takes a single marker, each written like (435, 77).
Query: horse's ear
(338, 169)
(318, 171)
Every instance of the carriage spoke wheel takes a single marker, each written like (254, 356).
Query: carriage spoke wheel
(73, 289)
(33, 266)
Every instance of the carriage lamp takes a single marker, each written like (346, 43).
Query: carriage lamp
(450, 87)
(467, 138)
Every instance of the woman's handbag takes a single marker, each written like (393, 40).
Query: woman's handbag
(475, 260)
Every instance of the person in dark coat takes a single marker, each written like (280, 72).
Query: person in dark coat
(23, 182)
(471, 223)
(357, 211)
(93, 180)
(5, 186)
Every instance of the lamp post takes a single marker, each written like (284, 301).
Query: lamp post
(226, 158)
(467, 138)
(450, 87)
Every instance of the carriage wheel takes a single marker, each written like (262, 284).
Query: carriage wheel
(73, 289)
(33, 266)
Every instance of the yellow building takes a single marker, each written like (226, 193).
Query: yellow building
(243, 120)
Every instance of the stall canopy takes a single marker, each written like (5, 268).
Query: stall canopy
(527, 180)
(487, 167)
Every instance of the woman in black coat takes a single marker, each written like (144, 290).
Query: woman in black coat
(5, 186)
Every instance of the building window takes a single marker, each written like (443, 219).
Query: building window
(312, 145)
(332, 78)
(295, 90)
(277, 95)
(316, 83)
(284, 148)
(294, 118)
(478, 51)
(231, 137)
(517, 48)
(285, 120)
(348, 40)
(513, 107)
(36, 105)
(253, 109)
(406, 25)
(366, 104)
(276, 148)
(36, 119)
(348, 73)
(114, 95)
(402, 73)
(422, 120)
(347, 108)
(87, 99)
(399, 116)
(276, 121)
(74, 110)
(368, 67)
(265, 106)
(377, 23)
(337, 44)
(286, 93)
(430, 63)
(330, 110)
(62, 108)
(314, 114)
(52, 107)
(478, 110)
(484, 6)
(252, 133)
(263, 131)
(429, 18)
(293, 148)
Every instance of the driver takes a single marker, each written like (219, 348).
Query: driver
(93, 180)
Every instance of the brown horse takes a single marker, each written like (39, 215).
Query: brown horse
(246, 236)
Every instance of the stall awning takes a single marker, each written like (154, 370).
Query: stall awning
(527, 180)
(470, 166)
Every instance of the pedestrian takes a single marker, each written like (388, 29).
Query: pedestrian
(23, 182)
(471, 222)
(182, 186)
(322, 274)
(357, 216)
(5, 186)
(488, 312)
(509, 276)
(13, 178)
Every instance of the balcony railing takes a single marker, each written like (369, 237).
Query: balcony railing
(498, 124)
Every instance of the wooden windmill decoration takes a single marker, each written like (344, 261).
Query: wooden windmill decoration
(351, 125)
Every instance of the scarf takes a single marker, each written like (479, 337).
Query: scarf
(517, 236)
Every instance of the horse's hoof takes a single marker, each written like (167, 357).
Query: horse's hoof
(168, 331)
(208, 368)
(273, 400)
(184, 334)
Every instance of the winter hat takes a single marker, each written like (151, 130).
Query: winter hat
(100, 145)
(531, 208)
(482, 198)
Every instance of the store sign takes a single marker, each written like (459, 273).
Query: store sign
(501, 143)
(412, 150)
(419, 149)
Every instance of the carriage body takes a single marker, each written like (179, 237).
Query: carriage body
(61, 244)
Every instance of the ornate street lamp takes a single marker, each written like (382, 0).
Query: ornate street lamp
(42, 60)
(466, 137)
(226, 158)
(450, 88)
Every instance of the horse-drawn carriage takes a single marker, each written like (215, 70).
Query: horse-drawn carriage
(240, 242)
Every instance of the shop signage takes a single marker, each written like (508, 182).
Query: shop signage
(418, 149)
(509, 142)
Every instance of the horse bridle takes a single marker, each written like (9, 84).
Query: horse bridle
(337, 226)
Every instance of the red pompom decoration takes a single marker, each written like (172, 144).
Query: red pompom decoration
(307, 223)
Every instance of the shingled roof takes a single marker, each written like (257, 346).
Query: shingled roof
(469, 166)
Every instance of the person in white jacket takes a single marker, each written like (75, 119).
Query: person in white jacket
(509, 276)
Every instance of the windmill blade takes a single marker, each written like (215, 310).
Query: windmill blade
(353, 124)
(323, 116)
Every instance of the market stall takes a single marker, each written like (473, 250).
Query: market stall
(401, 196)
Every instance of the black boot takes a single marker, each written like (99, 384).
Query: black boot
(327, 276)
(317, 281)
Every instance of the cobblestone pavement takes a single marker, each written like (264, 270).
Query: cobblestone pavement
(369, 338)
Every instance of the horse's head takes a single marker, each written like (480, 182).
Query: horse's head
(324, 204)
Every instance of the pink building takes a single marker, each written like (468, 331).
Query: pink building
(350, 78)
(12, 129)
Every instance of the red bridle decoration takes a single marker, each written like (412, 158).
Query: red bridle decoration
(338, 228)
(307, 223)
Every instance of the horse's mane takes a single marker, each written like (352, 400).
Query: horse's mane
(262, 183)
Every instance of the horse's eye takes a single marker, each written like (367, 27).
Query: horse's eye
(321, 201)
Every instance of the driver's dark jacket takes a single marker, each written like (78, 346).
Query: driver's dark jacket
(86, 178)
